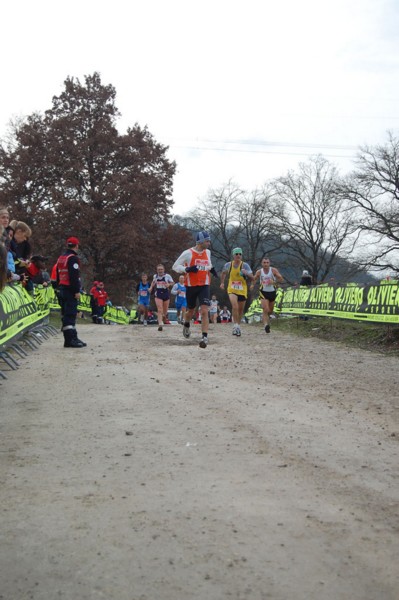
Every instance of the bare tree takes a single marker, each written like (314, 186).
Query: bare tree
(218, 214)
(315, 222)
(373, 191)
(258, 227)
(237, 218)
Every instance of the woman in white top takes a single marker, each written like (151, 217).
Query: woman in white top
(268, 277)
(162, 282)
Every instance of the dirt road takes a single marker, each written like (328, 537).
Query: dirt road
(145, 468)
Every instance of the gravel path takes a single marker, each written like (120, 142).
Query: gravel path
(145, 468)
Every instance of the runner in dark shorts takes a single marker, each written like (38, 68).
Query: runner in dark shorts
(196, 264)
(268, 277)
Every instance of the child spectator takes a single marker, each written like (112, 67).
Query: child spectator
(100, 298)
(93, 303)
(35, 269)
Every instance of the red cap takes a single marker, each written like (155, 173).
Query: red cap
(72, 241)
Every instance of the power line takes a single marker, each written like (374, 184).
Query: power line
(247, 151)
(282, 144)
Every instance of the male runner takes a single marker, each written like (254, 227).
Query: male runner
(196, 263)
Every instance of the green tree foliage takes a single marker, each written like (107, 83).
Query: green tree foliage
(69, 172)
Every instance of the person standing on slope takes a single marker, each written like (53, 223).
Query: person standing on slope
(69, 286)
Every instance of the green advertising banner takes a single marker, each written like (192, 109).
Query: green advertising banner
(43, 298)
(374, 303)
(18, 312)
(116, 315)
(378, 303)
(256, 307)
(84, 303)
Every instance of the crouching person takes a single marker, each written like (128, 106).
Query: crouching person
(69, 285)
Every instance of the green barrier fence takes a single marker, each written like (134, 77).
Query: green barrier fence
(19, 311)
(374, 303)
(116, 315)
(112, 313)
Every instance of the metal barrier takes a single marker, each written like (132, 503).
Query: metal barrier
(32, 339)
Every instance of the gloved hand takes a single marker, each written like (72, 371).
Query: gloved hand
(192, 269)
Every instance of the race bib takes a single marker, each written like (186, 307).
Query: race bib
(268, 281)
(237, 285)
(202, 265)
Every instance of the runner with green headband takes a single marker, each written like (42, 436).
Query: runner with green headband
(237, 273)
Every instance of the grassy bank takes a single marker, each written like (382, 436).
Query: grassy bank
(381, 338)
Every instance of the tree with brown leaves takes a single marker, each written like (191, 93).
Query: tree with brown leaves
(69, 172)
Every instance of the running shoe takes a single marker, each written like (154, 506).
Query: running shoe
(238, 332)
(204, 342)
(160, 328)
(186, 331)
(145, 322)
(234, 332)
(167, 322)
(267, 328)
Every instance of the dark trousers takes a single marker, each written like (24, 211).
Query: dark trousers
(69, 307)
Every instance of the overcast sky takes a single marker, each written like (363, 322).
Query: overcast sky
(237, 90)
